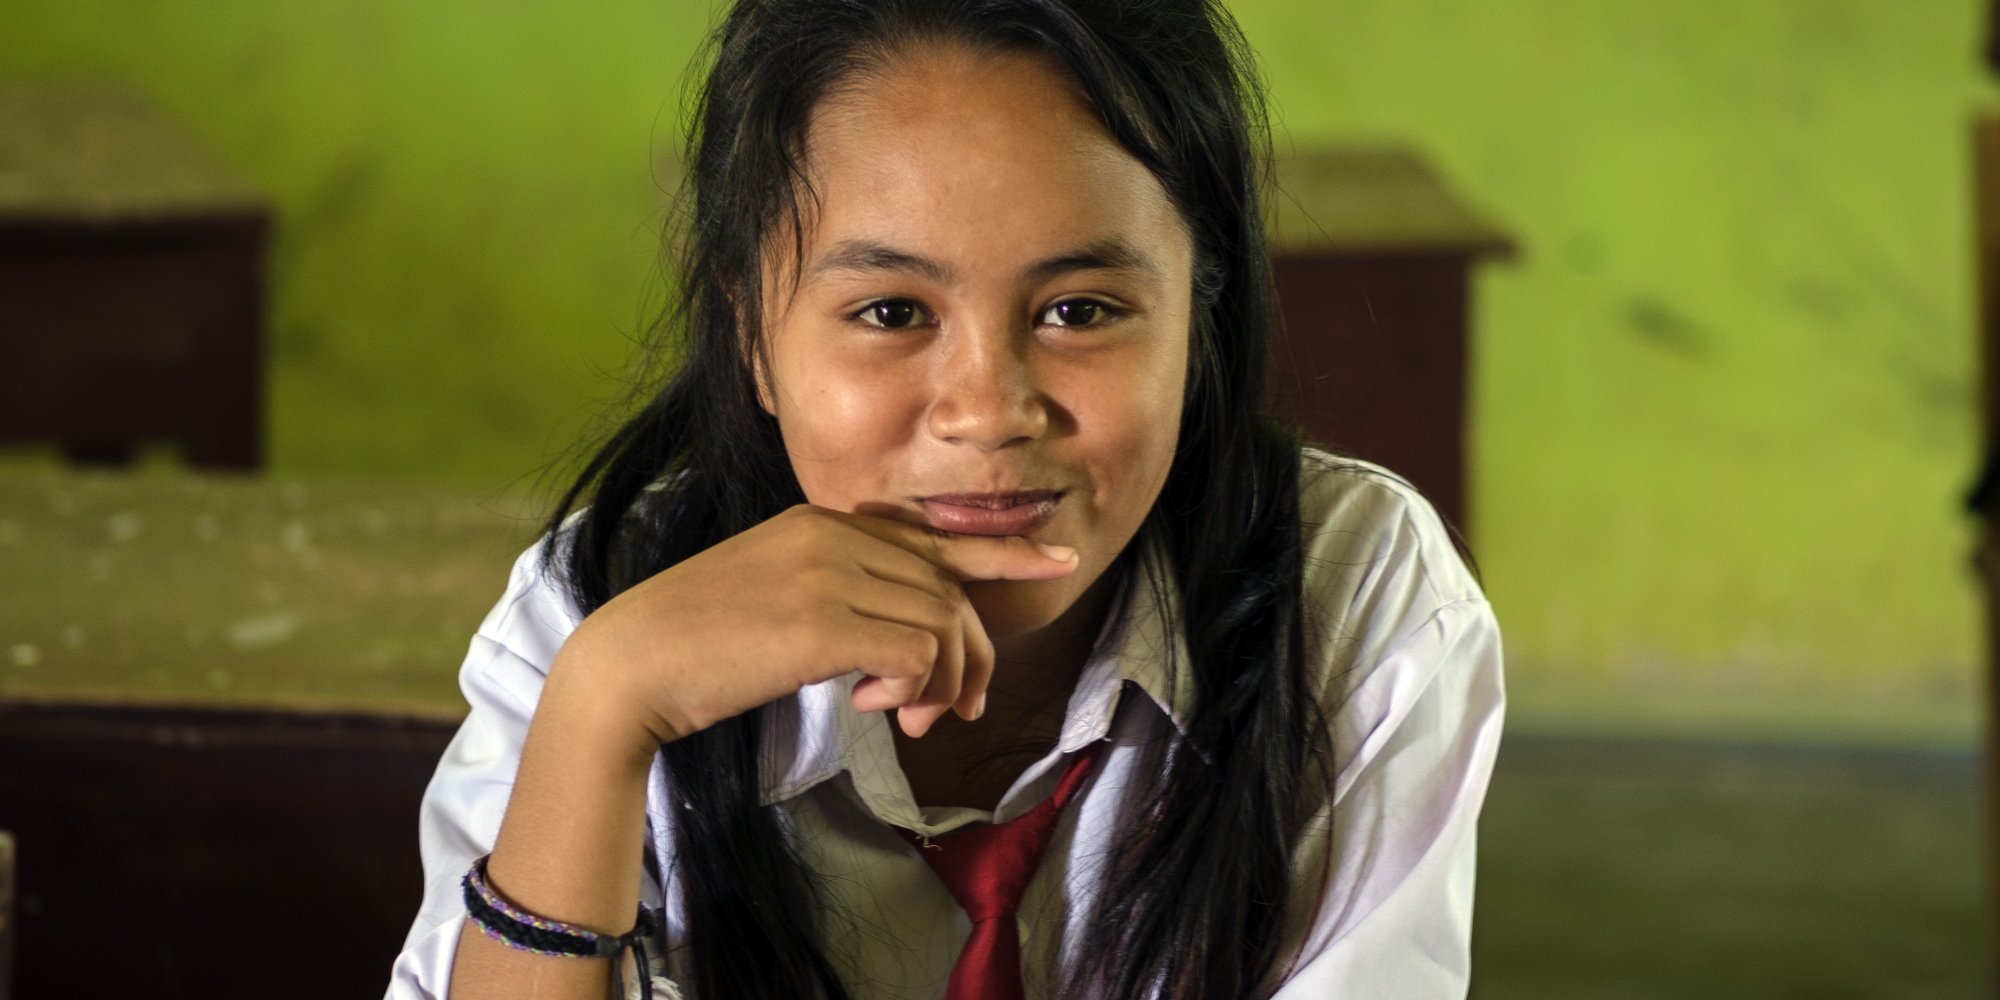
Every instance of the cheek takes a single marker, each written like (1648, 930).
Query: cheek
(1128, 429)
(1142, 423)
(841, 423)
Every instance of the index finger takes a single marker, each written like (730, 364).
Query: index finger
(972, 557)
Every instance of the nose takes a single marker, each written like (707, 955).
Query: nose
(986, 395)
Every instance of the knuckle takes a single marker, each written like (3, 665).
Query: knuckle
(978, 647)
(812, 522)
(946, 683)
(934, 546)
(923, 652)
(907, 659)
(940, 612)
(905, 689)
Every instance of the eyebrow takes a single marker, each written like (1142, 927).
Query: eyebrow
(869, 256)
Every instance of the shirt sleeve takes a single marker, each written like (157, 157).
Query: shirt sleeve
(1414, 698)
(460, 817)
(1396, 919)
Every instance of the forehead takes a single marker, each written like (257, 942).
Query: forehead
(980, 154)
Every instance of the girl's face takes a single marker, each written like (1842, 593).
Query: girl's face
(989, 328)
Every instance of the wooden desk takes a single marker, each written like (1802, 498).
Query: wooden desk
(131, 283)
(1373, 256)
(213, 760)
(6, 915)
(172, 853)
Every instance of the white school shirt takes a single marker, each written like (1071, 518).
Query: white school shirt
(1401, 637)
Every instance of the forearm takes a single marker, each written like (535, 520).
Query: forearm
(569, 848)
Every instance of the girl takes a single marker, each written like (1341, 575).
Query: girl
(956, 527)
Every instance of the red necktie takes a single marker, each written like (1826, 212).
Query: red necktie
(987, 869)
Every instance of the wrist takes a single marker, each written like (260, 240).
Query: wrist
(602, 719)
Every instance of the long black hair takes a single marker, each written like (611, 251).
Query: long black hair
(1194, 899)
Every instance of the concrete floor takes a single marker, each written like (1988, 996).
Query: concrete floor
(1615, 869)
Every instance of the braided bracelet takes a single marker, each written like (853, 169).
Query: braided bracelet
(523, 931)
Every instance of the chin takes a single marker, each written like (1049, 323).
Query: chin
(1013, 608)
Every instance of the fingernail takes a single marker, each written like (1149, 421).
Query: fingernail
(1060, 553)
(979, 707)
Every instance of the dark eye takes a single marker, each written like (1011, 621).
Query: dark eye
(1076, 312)
(893, 314)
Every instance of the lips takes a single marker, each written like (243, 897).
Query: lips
(1014, 513)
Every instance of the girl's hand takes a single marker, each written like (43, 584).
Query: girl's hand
(806, 596)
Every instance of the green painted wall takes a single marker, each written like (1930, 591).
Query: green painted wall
(1724, 396)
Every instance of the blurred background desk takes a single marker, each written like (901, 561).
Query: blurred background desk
(220, 701)
(131, 283)
(1373, 257)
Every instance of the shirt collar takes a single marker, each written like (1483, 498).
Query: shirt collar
(817, 734)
